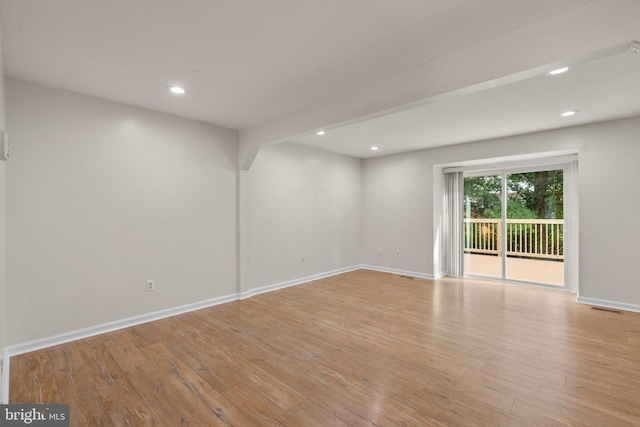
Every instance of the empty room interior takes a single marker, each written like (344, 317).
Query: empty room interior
(319, 212)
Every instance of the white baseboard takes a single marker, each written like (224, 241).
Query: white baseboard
(136, 320)
(245, 295)
(4, 378)
(400, 272)
(439, 275)
(609, 304)
(51, 341)
(54, 340)
(276, 286)
(41, 343)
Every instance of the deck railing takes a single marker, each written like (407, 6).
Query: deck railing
(526, 238)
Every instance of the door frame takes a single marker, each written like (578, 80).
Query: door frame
(570, 227)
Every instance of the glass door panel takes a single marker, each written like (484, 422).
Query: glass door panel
(535, 227)
(483, 226)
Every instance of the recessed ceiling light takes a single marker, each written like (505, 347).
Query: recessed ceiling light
(177, 90)
(558, 71)
(569, 113)
(374, 148)
(320, 133)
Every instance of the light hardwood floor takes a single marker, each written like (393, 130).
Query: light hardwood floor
(362, 348)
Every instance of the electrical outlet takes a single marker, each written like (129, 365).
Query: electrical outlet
(397, 252)
(151, 285)
(303, 259)
(379, 251)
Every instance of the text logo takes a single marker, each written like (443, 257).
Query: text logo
(34, 415)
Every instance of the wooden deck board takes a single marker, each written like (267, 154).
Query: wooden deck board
(549, 272)
(362, 348)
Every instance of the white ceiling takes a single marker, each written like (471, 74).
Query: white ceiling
(257, 61)
(601, 89)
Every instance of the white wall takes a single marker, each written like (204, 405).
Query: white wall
(307, 202)
(3, 236)
(609, 159)
(396, 195)
(102, 197)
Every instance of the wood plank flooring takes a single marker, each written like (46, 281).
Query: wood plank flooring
(363, 348)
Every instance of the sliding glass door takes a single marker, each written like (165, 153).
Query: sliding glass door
(535, 227)
(482, 225)
(514, 226)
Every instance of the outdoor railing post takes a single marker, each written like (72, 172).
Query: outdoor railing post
(499, 237)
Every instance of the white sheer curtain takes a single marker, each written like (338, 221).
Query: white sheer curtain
(453, 229)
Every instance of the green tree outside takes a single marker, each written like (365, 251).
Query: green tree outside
(531, 195)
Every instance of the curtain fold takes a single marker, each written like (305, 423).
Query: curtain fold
(453, 229)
